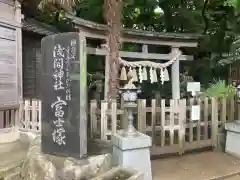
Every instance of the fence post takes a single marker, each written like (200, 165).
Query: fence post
(206, 114)
(7, 118)
(163, 118)
(214, 122)
(124, 120)
(19, 116)
(26, 113)
(238, 110)
(139, 118)
(34, 115)
(114, 116)
(191, 103)
(141, 115)
(93, 117)
(172, 107)
(104, 118)
(182, 122)
(1, 119)
(153, 121)
(223, 113)
(231, 113)
(40, 115)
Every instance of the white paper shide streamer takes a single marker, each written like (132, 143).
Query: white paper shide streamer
(146, 68)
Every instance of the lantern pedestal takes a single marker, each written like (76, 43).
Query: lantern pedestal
(233, 138)
(133, 152)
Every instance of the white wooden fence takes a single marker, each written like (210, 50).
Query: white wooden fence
(168, 123)
(27, 117)
(31, 116)
(7, 119)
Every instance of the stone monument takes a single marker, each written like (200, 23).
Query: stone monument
(131, 149)
(63, 95)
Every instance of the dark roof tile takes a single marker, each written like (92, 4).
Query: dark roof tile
(37, 27)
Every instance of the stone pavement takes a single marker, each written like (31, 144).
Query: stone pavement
(11, 157)
(199, 166)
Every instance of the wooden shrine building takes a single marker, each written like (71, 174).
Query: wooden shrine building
(28, 61)
(10, 65)
(33, 32)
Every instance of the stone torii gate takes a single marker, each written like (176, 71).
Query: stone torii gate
(175, 41)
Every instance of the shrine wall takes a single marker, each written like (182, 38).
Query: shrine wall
(7, 9)
(10, 54)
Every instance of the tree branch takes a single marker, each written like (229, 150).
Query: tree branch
(205, 19)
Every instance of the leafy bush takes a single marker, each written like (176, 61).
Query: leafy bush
(219, 89)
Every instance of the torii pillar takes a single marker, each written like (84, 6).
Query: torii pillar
(175, 73)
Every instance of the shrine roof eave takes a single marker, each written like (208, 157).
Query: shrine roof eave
(31, 25)
(91, 28)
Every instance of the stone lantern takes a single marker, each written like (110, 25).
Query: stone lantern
(129, 94)
(131, 149)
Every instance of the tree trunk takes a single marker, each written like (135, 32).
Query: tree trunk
(113, 18)
(168, 16)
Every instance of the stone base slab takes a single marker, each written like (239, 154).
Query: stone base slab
(133, 152)
(233, 138)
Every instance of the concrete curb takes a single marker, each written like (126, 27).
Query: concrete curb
(225, 176)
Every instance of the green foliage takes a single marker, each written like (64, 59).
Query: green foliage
(90, 10)
(233, 3)
(233, 55)
(219, 89)
(217, 20)
(60, 4)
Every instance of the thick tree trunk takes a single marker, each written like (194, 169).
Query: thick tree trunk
(113, 18)
(168, 16)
